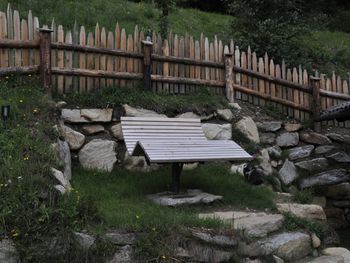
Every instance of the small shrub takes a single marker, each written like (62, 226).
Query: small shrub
(293, 223)
(304, 196)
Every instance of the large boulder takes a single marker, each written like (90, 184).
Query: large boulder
(84, 240)
(98, 154)
(247, 126)
(337, 251)
(217, 131)
(323, 149)
(288, 173)
(8, 252)
(339, 137)
(340, 157)
(288, 246)
(75, 139)
(300, 152)
(64, 181)
(314, 138)
(338, 191)
(92, 128)
(318, 164)
(271, 126)
(310, 212)
(86, 115)
(138, 112)
(292, 127)
(288, 139)
(265, 162)
(225, 114)
(275, 152)
(331, 177)
(117, 131)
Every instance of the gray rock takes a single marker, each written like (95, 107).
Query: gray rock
(292, 127)
(327, 259)
(86, 115)
(271, 126)
(288, 246)
(137, 112)
(339, 138)
(92, 128)
(61, 104)
(314, 138)
(288, 139)
(98, 154)
(201, 252)
(192, 196)
(137, 163)
(117, 132)
(65, 156)
(277, 259)
(341, 203)
(188, 115)
(340, 157)
(338, 251)
(288, 173)
(331, 177)
(84, 240)
(190, 166)
(316, 242)
(284, 198)
(265, 162)
(75, 139)
(267, 138)
(61, 178)
(247, 126)
(226, 216)
(215, 239)
(323, 149)
(123, 255)
(318, 164)
(217, 131)
(8, 252)
(300, 152)
(121, 238)
(235, 105)
(254, 225)
(225, 115)
(310, 212)
(338, 191)
(275, 152)
(237, 169)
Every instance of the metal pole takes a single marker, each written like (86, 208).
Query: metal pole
(176, 174)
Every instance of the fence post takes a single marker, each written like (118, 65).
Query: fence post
(45, 59)
(147, 47)
(229, 77)
(316, 101)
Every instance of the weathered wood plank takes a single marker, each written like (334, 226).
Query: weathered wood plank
(90, 63)
(82, 62)
(103, 58)
(69, 64)
(110, 45)
(60, 60)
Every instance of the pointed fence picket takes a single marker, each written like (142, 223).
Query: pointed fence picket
(85, 61)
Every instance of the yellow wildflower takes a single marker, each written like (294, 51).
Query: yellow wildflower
(20, 101)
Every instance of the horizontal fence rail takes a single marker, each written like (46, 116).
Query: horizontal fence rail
(76, 61)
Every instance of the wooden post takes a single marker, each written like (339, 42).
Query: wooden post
(45, 59)
(229, 77)
(316, 102)
(147, 47)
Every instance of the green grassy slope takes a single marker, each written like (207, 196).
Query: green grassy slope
(328, 50)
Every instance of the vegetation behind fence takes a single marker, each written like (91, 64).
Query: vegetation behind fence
(79, 61)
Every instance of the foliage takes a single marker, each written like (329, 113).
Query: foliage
(200, 101)
(272, 110)
(165, 7)
(273, 26)
(304, 196)
(32, 212)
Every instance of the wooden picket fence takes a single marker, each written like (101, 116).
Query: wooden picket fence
(76, 61)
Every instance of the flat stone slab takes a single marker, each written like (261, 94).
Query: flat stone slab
(318, 164)
(256, 225)
(288, 139)
(340, 157)
(314, 138)
(86, 115)
(226, 216)
(337, 251)
(331, 177)
(225, 240)
(339, 137)
(310, 212)
(327, 259)
(300, 152)
(323, 149)
(271, 126)
(192, 196)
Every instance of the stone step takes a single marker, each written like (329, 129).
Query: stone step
(251, 224)
(289, 246)
(310, 212)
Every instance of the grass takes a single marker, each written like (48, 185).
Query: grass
(120, 196)
(121, 200)
(200, 101)
(31, 211)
